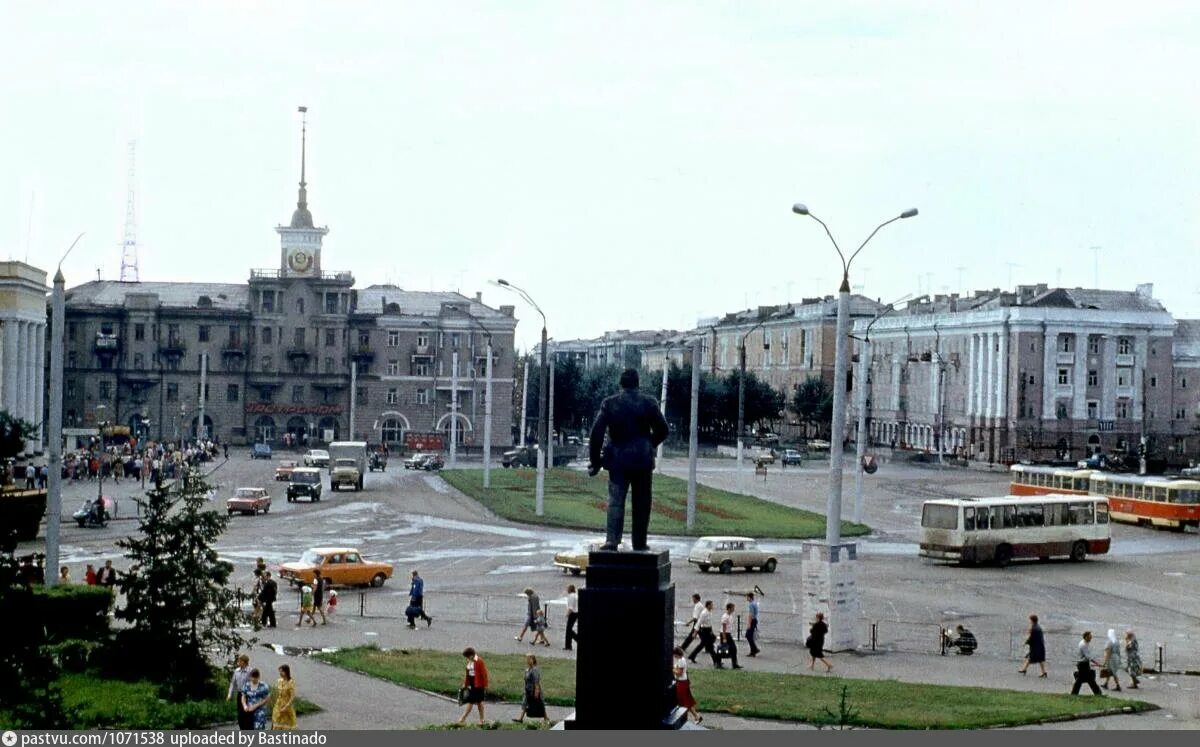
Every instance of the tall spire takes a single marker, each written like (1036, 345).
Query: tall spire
(302, 218)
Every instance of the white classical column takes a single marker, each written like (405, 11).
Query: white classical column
(988, 375)
(1079, 380)
(1001, 377)
(1108, 378)
(39, 388)
(980, 378)
(10, 369)
(22, 365)
(1049, 374)
(972, 355)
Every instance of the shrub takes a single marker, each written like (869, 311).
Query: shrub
(72, 612)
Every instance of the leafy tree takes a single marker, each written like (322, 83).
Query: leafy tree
(177, 599)
(13, 434)
(813, 402)
(569, 412)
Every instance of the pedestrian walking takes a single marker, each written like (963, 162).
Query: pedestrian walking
(283, 713)
(306, 606)
(532, 702)
(533, 604)
(89, 575)
(1036, 642)
(241, 675)
(707, 637)
(416, 602)
(331, 608)
(319, 587)
(270, 591)
(816, 642)
(1111, 663)
(693, 631)
(107, 576)
(683, 688)
(752, 628)
(572, 616)
(255, 695)
(728, 647)
(474, 684)
(1083, 666)
(1133, 659)
(64, 576)
(539, 629)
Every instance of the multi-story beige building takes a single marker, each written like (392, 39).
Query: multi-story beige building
(295, 350)
(1041, 373)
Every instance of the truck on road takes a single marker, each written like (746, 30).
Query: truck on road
(343, 473)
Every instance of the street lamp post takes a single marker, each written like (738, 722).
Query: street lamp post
(833, 517)
(693, 434)
(454, 410)
(54, 434)
(487, 406)
(741, 424)
(543, 402)
(101, 424)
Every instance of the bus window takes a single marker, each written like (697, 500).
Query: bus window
(1003, 517)
(1056, 515)
(1081, 513)
(1081, 484)
(1030, 516)
(1102, 513)
(1188, 496)
(939, 517)
(969, 519)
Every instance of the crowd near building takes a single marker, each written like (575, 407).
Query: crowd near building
(295, 350)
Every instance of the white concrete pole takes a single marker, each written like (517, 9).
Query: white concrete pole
(662, 403)
(487, 420)
(54, 499)
(860, 445)
(454, 410)
(201, 431)
(353, 394)
(833, 507)
(39, 396)
(524, 399)
(550, 424)
(693, 435)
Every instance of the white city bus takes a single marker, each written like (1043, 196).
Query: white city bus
(977, 530)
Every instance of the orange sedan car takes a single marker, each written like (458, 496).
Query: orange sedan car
(339, 565)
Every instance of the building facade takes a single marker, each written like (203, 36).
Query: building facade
(1042, 373)
(23, 344)
(297, 349)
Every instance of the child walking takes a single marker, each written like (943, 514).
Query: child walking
(539, 629)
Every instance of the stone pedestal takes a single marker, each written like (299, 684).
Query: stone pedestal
(626, 633)
(830, 586)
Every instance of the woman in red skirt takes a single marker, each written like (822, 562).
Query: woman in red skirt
(683, 690)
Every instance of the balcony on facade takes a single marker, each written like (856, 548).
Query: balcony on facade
(172, 347)
(234, 349)
(299, 354)
(1065, 358)
(1125, 391)
(363, 354)
(1124, 359)
(107, 344)
(330, 381)
(422, 352)
(341, 276)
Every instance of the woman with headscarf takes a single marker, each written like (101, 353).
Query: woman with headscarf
(1133, 659)
(1112, 661)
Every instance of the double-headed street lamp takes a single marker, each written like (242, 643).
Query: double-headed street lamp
(833, 506)
(543, 416)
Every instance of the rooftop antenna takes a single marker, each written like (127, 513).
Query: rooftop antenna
(129, 253)
(1095, 266)
(960, 269)
(1011, 265)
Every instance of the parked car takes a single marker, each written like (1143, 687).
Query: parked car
(338, 565)
(316, 458)
(727, 553)
(575, 561)
(304, 482)
(260, 451)
(765, 456)
(791, 456)
(414, 461)
(344, 474)
(818, 444)
(284, 470)
(377, 461)
(248, 501)
(526, 456)
(432, 462)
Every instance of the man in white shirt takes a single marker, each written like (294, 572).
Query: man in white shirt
(697, 608)
(572, 616)
(727, 641)
(707, 638)
(1083, 666)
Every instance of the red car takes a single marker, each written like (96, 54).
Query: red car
(248, 501)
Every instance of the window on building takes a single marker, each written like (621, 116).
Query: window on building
(70, 390)
(1124, 346)
(393, 367)
(267, 335)
(1151, 413)
(360, 394)
(268, 301)
(173, 334)
(1060, 409)
(70, 330)
(1064, 376)
(1065, 342)
(172, 392)
(1183, 382)
(1093, 378)
(422, 396)
(1093, 345)
(139, 361)
(422, 339)
(1093, 409)
(1122, 408)
(331, 303)
(1124, 376)
(202, 333)
(232, 393)
(364, 339)
(172, 363)
(393, 396)
(392, 430)
(329, 365)
(420, 369)
(455, 339)
(298, 337)
(267, 364)
(330, 337)
(105, 389)
(1153, 382)
(297, 393)
(71, 359)
(235, 336)
(1181, 413)
(393, 338)
(139, 332)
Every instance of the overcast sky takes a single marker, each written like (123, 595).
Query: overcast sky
(631, 165)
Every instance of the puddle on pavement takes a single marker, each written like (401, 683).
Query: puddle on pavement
(299, 650)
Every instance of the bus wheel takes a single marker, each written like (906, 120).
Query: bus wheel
(1004, 555)
(1079, 551)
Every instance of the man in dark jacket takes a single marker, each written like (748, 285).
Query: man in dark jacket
(635, 428)
(267, 596)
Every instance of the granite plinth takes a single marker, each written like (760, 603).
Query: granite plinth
(626, 633)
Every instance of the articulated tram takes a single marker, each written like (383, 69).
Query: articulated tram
(1163, 502)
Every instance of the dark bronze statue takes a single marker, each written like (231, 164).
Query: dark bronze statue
(635, 428)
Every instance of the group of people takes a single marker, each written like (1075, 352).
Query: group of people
(253, 695)
(722, 644)
(316, 598)
(105, 576)
(148, 460)
(475, 682)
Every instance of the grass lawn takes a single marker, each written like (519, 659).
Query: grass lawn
(577, 501)
(886, 704)
(116, 704)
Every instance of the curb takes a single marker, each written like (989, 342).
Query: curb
(1115, 711)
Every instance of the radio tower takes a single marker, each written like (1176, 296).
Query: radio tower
(129, 252)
